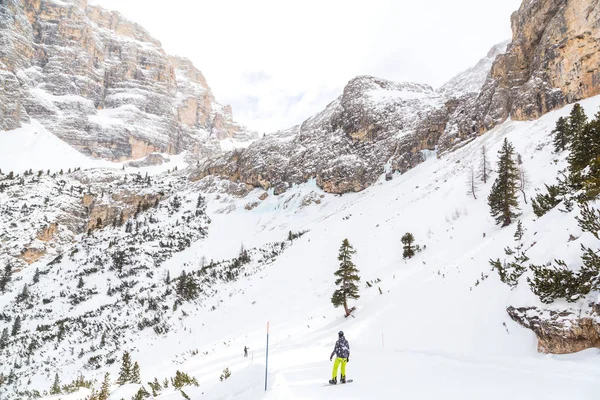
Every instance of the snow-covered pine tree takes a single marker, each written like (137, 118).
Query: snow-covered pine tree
(24, 295)
(135, 373)
(581, 148)
(4, 339)
(80, 283)
(105, 388)
(347, 277)
(16, 328)
(407, 240)
(141, 394)
(36, 276)
(6, 277)
(125, 372)
(503, 199)
(561, 134)
(55, 388)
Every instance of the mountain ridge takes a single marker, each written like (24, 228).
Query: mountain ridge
(104, 85)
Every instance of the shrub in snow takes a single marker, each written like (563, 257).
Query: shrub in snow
(225, 375)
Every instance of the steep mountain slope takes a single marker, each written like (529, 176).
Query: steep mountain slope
(471, 80)
(551, 61)
(103, 84)
(440, 317)
(345, 147)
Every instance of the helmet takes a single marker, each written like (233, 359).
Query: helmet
(340, 333)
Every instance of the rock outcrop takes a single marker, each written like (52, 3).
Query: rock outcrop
(103, 84)
(553, 60)
(561, 332)
(345, 147)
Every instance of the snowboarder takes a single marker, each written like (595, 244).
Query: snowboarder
(245, 351)
(342, 352)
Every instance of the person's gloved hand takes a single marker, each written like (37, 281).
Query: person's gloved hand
(330, 358)
(348, 359)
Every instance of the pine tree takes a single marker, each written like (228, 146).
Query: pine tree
(105, 389)
(16, 328)
(80, 283)
(103, 340)
(36, 276)
(484, 171)
(55, 388)
(408, 250)
(580, 154)
(542, 203)
(125, 373)
(6, 277)
(24, 295)
(511, 272)
(141, 394)
(519, 232)
(4, 339)
(243, 257)
(503, 199)
(347, 277)
(135, 373)
(472, 185)
(577, 119)
(561, 134)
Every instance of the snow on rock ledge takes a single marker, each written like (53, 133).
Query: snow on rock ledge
(561, 332)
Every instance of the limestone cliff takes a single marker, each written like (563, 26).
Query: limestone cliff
(345, 147)
(561, 331)
(553, 60)
(102, 83)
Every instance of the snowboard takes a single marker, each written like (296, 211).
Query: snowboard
(338, 384)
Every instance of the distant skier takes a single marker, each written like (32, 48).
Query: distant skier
(245, 351)
(342, 351)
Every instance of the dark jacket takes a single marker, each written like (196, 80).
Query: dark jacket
(342, 348)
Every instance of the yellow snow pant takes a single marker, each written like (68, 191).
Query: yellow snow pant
(336, 364)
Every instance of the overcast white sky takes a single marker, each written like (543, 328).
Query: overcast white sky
(277, 62)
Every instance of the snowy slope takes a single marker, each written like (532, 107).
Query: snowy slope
(33, 147)
(433, 333)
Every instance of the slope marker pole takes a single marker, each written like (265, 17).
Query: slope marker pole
(267, 360)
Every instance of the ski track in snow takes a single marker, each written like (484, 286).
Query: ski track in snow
(432, 334)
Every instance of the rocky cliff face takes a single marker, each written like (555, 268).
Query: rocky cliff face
(471, 80)
(553, 60)
(376, 125)
(561, 332)
(345, 147)
(102, 83)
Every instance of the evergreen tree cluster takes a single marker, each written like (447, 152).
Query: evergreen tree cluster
(182, 379)
(129, 373)
(187, 288)
(580, 182)
(558, 280)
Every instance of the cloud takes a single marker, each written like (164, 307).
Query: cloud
(279, 62)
